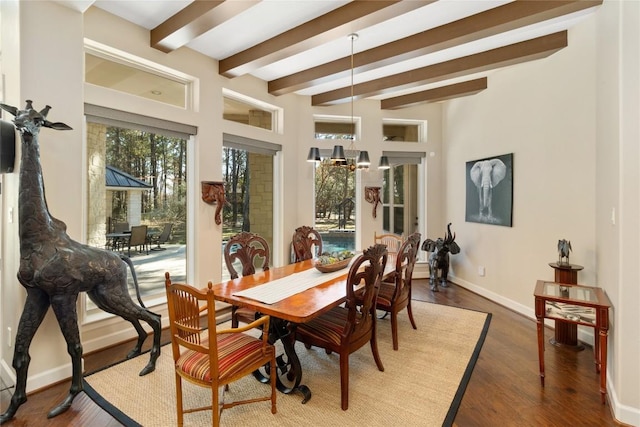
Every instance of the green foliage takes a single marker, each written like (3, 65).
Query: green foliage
(156, 159)
(235, 174)
(335, 187)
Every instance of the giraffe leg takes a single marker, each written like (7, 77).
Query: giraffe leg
(64, 307)
(35, 308)
(142, 336)
(154, 320)
(111, 298)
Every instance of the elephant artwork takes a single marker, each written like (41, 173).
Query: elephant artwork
(489, 187)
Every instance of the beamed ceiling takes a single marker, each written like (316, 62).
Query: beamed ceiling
(407, 52)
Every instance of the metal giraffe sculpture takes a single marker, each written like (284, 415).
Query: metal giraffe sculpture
(54, 269)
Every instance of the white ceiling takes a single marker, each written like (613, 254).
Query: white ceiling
(269, 18)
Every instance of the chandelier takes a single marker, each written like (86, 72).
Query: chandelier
(338, 157)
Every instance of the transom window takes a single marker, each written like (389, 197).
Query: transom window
(108, 70)
(403, 131)
(248, 111)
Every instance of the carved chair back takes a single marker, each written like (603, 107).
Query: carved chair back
(250, 250)
(306, 243)
(347, 328)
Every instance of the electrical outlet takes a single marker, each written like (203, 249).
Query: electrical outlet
(481, 271)
(9, 337)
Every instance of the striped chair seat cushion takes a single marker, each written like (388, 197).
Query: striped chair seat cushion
(385, 294)
(235, 352)
(327, 327)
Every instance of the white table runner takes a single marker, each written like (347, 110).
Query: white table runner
(279, 289)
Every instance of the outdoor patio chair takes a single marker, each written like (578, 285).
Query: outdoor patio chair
(345, 329)
(139, 239)
(213, 358)
(250, 250)
(306, 243)
(162, 238)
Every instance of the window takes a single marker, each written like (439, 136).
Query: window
(335, 186)
(243, 109)
(403, 130)
(399, 201)
(400, 195)
(247, 172)
(335, 209)
(137, 176)
(103, 69)
(334, 130)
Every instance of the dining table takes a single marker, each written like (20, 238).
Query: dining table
(290, 295)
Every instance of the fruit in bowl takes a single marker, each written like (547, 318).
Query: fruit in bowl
(334, 261)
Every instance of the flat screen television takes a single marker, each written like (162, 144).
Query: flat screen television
(7, 146)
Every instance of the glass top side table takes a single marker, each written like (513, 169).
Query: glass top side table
(578, 305)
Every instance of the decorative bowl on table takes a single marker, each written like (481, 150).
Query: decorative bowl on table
(328, 263)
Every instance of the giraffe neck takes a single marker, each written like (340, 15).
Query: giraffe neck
(36, 225)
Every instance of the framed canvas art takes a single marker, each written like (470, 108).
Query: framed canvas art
(490, 190)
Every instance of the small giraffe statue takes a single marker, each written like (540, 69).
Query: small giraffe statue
(54, 269)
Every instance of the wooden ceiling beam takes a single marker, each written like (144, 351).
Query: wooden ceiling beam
(500, 57)
(485, 24)
(340, 22)
(442, 93)
(193, 21)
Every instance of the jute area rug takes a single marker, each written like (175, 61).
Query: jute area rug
(422, 384)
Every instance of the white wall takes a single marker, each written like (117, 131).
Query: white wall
(570, 121)
(618, 188)
(529, 110)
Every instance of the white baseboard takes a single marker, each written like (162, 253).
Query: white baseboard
(623, 413)
(421, 270)
(585, 334)
(7, 373)
(38, 381)
(111, 339)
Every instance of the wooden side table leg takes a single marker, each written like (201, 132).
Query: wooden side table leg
(603, 364)
(596, 350)
(540, 327)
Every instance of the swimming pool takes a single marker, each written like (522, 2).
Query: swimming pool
(336, 241)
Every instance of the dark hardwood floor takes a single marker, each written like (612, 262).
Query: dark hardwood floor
(504, 389)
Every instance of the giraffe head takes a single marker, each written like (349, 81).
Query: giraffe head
(30, 121)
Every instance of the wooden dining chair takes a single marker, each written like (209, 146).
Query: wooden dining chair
(393, 241)
(139, 238)
(395, 295)
(248, 249)
(212, 358)
(306, 243)
(347, 328)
